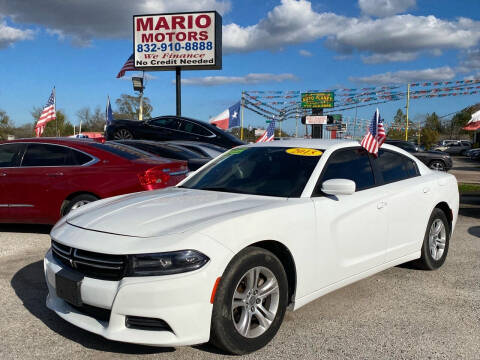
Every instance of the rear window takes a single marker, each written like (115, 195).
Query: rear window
(395, 167)
(194, 128)
(9, 154)
(123, 151)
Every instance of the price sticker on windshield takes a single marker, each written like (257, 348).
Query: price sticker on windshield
(304, 152)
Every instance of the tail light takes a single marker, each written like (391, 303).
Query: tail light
(163, 176)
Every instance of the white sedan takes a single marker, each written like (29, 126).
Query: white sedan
(260, 229)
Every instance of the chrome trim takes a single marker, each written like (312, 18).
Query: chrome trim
(97, 266)
(3, 205)
(97, 260)
(21, 205)
(55, 247)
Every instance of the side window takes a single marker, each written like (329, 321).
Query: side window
(395, 167)
(9, 154)
(192, 128)
(78, 158)
(352, 164)
(169, 123)
(46, 155)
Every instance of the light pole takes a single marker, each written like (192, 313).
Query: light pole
(138, 86)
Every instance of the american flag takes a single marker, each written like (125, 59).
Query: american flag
(375, 136)
(269, 134)
(48, 114)
(128, 66)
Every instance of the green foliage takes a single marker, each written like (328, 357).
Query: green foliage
(469, 188)
(433, 122)
(428, 137)
(128, 107)
(6, 125)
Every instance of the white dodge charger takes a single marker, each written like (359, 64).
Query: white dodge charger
(259, 229)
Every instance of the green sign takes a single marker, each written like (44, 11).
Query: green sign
(318, 100)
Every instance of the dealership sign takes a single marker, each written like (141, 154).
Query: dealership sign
(315, 120)
(318, 100)
(190, 41)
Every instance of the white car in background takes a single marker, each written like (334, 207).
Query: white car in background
(261, 228)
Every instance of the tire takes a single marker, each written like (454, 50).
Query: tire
(227, 317)
(122, 134)
(77, 202)
(437, 165)
(433, 256)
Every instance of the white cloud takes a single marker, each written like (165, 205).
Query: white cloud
(305, 53)
(382, 58)
(383, 8)
(247, 79)
(10, 35)
(405, 76)
(87, 19)
(470, 62)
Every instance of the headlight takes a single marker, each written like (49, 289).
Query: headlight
(166, 263)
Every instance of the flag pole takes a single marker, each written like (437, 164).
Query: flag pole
(408, 105)
(241, 118)
(56, 118)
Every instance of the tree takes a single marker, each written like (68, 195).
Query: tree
(6, 125)
(428, 137)
(433, 122)
(397, 129)
(128, 107)
(59, 127)
(91, 121)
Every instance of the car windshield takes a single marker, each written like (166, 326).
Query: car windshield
(269, 171)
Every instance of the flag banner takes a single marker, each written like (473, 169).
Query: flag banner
(48, 114)
(128, 66)
(269, 134)
(229, 118)
(108, 113)
(375, 136)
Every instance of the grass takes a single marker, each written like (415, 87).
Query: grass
(464, 188)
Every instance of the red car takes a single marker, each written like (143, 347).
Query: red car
(43, 179)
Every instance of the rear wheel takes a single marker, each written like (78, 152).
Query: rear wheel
(437, 165)
(122, 134)
(78, 201)
(436, 242)
(250, 302)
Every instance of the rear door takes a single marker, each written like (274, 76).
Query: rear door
(10, 156)
(407, 202)
(353, 228)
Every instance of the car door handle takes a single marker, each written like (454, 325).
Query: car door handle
(426, 190)
(381, 205)
(3, 174)
(55, 174)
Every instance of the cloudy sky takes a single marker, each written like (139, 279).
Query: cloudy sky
(79, 46)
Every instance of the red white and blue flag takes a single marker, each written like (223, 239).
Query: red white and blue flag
(269, 134)
(229, 118)
(128, 66)
(48, 114)
(375, 136)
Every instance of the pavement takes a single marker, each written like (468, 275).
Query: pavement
(466, 170)
(400, 313)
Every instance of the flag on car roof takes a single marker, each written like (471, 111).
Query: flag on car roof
(128, 66)
(108, 112)
(48, 114)
(229, 118)
(269, 134)
(375, 136)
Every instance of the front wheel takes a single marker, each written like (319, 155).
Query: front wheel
(437, 165)
(122, 134)
(250, 302)
(78, 201)
(436, 242)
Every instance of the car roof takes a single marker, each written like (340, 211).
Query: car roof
(53, 140)
(309, 143)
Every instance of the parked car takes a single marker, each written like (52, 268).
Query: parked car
(43, 179)
(204, 149)
(473, 154)
(167, 150)
(435, 160)
(264, 227)
(165, 128)
(459, 148)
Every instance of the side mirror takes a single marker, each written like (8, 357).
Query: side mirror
(338, 187)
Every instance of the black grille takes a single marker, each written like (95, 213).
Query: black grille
(144, 323)
(91, 264)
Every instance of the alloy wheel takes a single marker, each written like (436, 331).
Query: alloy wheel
(437, 239)
(79, 204)
(255, 302)
(123, 134)
(437, 165)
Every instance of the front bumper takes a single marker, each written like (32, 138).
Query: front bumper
(182, 301)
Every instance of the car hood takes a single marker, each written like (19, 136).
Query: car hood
(163, 212)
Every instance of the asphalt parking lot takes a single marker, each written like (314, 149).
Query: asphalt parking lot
(400, 313)
(466, 170)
